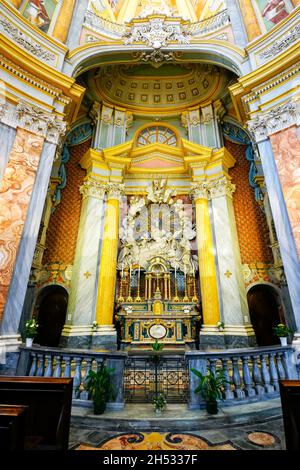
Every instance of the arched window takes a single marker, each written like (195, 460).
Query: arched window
(157, 134)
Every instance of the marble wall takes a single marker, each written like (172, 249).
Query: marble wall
(286, 149)
(15, 193)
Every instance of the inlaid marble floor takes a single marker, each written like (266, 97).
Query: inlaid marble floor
(264, 436)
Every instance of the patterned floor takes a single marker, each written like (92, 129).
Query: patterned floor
(266, 436)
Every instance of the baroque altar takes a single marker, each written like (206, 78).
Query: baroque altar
(158, 294)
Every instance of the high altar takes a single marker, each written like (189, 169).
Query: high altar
(157, 290)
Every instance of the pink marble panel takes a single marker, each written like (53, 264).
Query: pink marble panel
(15, 192)
(286, 149)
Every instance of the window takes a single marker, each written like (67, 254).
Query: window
(157, 134)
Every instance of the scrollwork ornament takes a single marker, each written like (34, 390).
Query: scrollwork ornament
(93, 189)
(200, 190)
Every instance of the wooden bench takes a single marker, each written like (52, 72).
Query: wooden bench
(49, 402)
(12, 427)
(290, 401)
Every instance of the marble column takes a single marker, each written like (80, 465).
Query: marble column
(106, 334)
(207, 268)
(277, 137)
(81, 306)
(235, 313)
(7, 138)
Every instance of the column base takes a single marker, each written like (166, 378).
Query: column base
(105, 337)
(76, 337)
(9, 353)
(232, 337)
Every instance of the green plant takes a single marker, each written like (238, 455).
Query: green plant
(281, 330)
(211, 387)
(31, 328)
(221, 326)
(156, 346)
(159, 402)
(99, 385)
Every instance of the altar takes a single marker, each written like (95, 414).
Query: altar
(157, 292)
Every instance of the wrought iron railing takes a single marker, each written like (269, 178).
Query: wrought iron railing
(251, 374)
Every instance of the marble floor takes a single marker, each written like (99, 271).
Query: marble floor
(230, 431)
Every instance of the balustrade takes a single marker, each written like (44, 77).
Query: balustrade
(251, 374)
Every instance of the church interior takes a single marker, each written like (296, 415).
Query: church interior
(150, 224)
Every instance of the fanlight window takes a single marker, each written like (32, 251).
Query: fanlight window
(157, 134)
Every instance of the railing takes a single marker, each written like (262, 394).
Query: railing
(54, 362)
(201, 28)
(210, 24)
(251, 374)
(102, 25)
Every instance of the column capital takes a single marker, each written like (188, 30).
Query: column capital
(95, 189)
(115, 190)
(33, 119)
(276, 119)
(199, 190)
(221, 187)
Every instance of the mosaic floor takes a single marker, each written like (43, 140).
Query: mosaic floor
(265, 436)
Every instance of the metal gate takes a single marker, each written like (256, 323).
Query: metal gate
(168, 373)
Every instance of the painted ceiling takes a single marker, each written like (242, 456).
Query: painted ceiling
(121, 11)
(144, 87)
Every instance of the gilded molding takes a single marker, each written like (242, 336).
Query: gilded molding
(26, 41)
(93, 189)
(35, 120)
(275, 120)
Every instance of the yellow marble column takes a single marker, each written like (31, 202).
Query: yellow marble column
(63, 22)
(250, 19)
(207, 268)
(108, 263)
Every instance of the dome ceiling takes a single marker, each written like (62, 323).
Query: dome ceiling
(144, 87)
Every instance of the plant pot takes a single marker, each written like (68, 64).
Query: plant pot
(212, 407)
(99, 407)
(283, 340)
(29, 342)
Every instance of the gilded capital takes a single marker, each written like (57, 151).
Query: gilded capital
(115, 190)
(95, 189)
(199, 190)
(221, 187)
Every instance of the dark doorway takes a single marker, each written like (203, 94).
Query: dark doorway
(52, 309)
(265, 312)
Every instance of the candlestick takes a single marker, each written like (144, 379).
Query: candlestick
(185, 298)
(121, 298)
(129, 298)
(176, 298)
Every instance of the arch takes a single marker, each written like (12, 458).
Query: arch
(51, 308)
(222, 53)
(266, 311)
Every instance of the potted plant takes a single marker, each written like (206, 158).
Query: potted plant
(31, 331)
(99, 386)
(221, 326)
(282, 331)
(211, 387)
(159, 402)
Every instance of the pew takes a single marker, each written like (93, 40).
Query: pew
(49, 402)
(290, 401)
(12, 427)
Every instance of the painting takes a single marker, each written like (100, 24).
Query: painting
(40, 13)
(273, 11)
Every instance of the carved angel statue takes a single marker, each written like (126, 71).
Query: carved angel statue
(159, 193)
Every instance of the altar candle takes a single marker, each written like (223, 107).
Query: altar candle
(175, 272)
(122, 272)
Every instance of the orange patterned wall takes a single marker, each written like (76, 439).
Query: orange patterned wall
(63, 227)
(251, 223)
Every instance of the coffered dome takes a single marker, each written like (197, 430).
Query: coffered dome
(144, 87)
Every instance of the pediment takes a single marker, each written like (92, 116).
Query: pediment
(157, 160)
